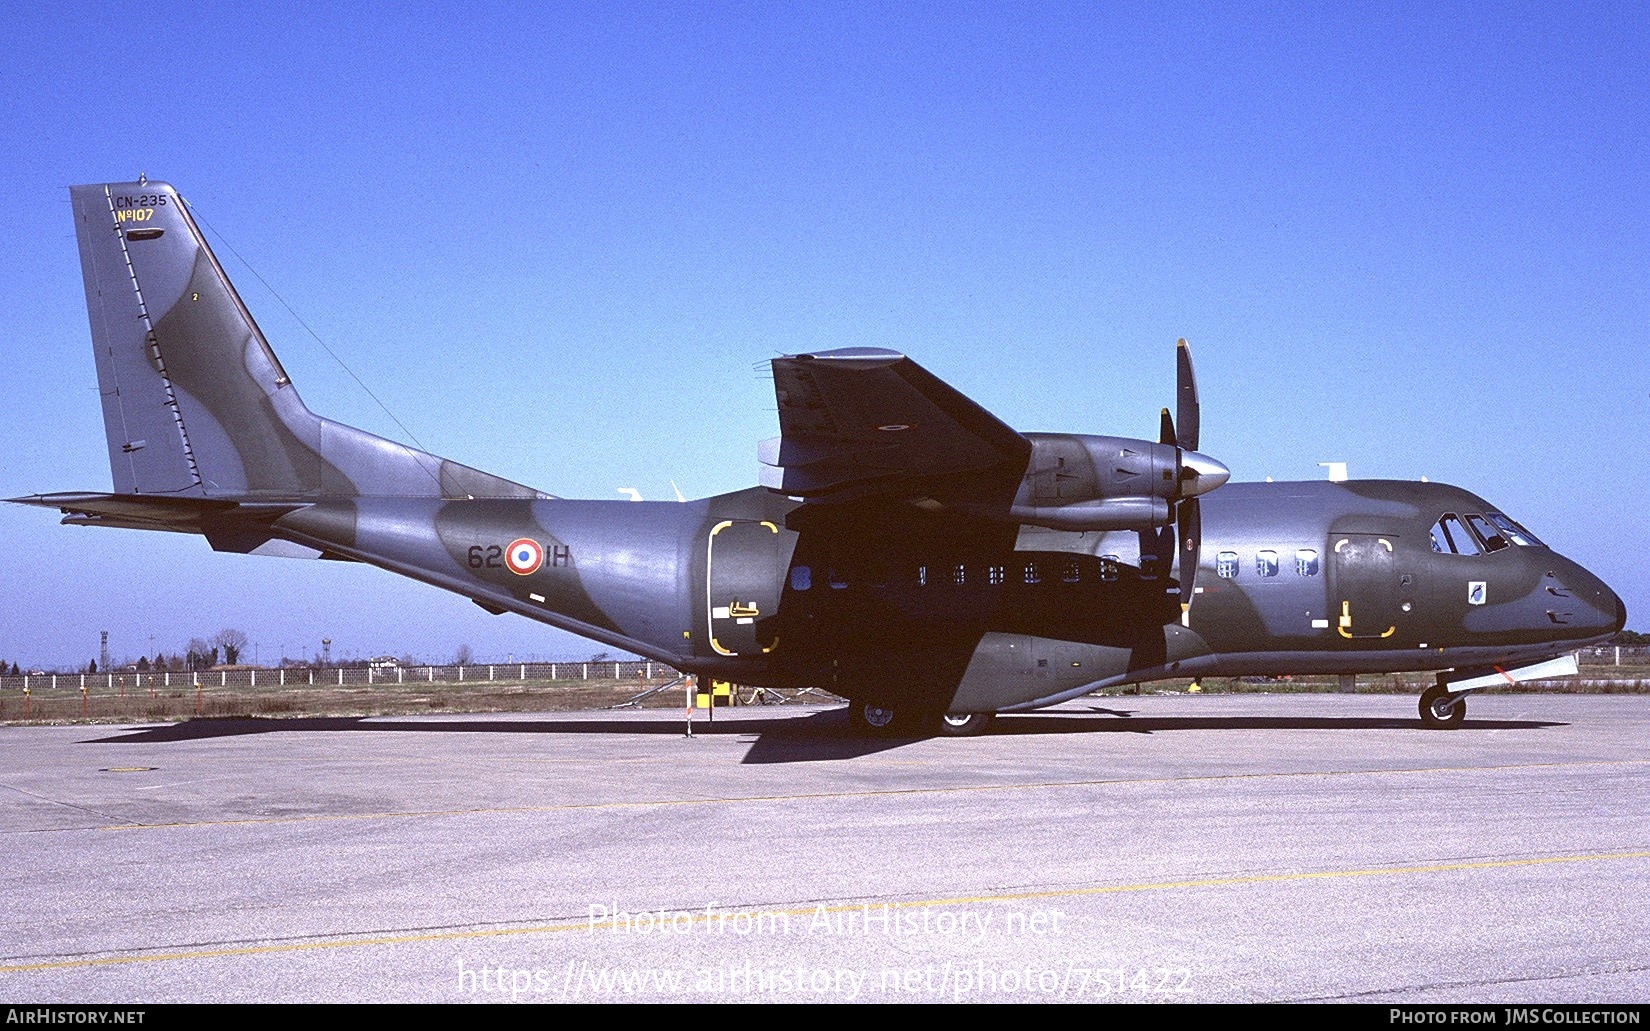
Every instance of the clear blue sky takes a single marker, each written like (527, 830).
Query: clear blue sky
(558, 242)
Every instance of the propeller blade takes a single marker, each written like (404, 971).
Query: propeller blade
(1186, 415)
(1191, 547)
(1195, 474)
(1165, 433)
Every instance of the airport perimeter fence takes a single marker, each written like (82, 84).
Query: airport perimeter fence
(639, 671)
(1614, 655)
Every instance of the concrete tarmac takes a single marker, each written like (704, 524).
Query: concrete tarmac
(1172, 848)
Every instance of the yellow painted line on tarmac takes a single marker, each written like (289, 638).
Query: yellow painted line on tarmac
(827, 795)
(708, 916)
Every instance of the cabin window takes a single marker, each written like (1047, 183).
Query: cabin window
(1108, 568)
(837, 580)
(1226, 565)
(1449, 537)
(1266, 563)
(1031, 574)
(994, 574)
(959, 574)
(922, 576)
(802, 578)
(1306, 562)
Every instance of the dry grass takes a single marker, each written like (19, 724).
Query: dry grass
(170, 704)
(68, 705)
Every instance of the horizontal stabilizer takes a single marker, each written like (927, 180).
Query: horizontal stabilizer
(227, 525)
(182, 514)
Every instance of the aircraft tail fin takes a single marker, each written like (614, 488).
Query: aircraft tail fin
(195, 402)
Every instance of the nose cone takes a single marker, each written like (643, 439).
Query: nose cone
(1605, 614)
(1200, 474)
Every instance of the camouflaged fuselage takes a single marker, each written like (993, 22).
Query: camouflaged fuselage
(1294, 578)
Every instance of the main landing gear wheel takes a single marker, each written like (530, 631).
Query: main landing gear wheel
(1440, 711)
(963, 724)
(868, 716)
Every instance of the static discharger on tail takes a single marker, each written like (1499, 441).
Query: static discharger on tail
(905, 549)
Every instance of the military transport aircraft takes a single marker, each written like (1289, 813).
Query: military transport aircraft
(905, 550)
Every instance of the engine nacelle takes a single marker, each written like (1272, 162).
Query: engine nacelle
(1083, 482)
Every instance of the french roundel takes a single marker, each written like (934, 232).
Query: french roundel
(524, 556)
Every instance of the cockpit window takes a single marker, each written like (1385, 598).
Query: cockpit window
(1515, 533)
(1449, 537)
(1493, 541)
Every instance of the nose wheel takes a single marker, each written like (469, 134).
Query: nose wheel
(963, 724)
(1440, 710)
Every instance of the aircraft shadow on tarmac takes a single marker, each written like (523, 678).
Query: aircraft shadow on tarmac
(819, 736)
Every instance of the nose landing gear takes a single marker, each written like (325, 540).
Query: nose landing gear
(1441, 710)
(963, 724)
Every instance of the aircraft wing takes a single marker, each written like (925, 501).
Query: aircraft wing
(865, 420)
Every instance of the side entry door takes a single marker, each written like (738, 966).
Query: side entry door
(1363, 585)
(745, 573)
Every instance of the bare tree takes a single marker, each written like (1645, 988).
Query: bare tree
(233, 642)
(462, 656)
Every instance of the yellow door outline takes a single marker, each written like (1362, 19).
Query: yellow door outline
(735, 609)
(1345, 627)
